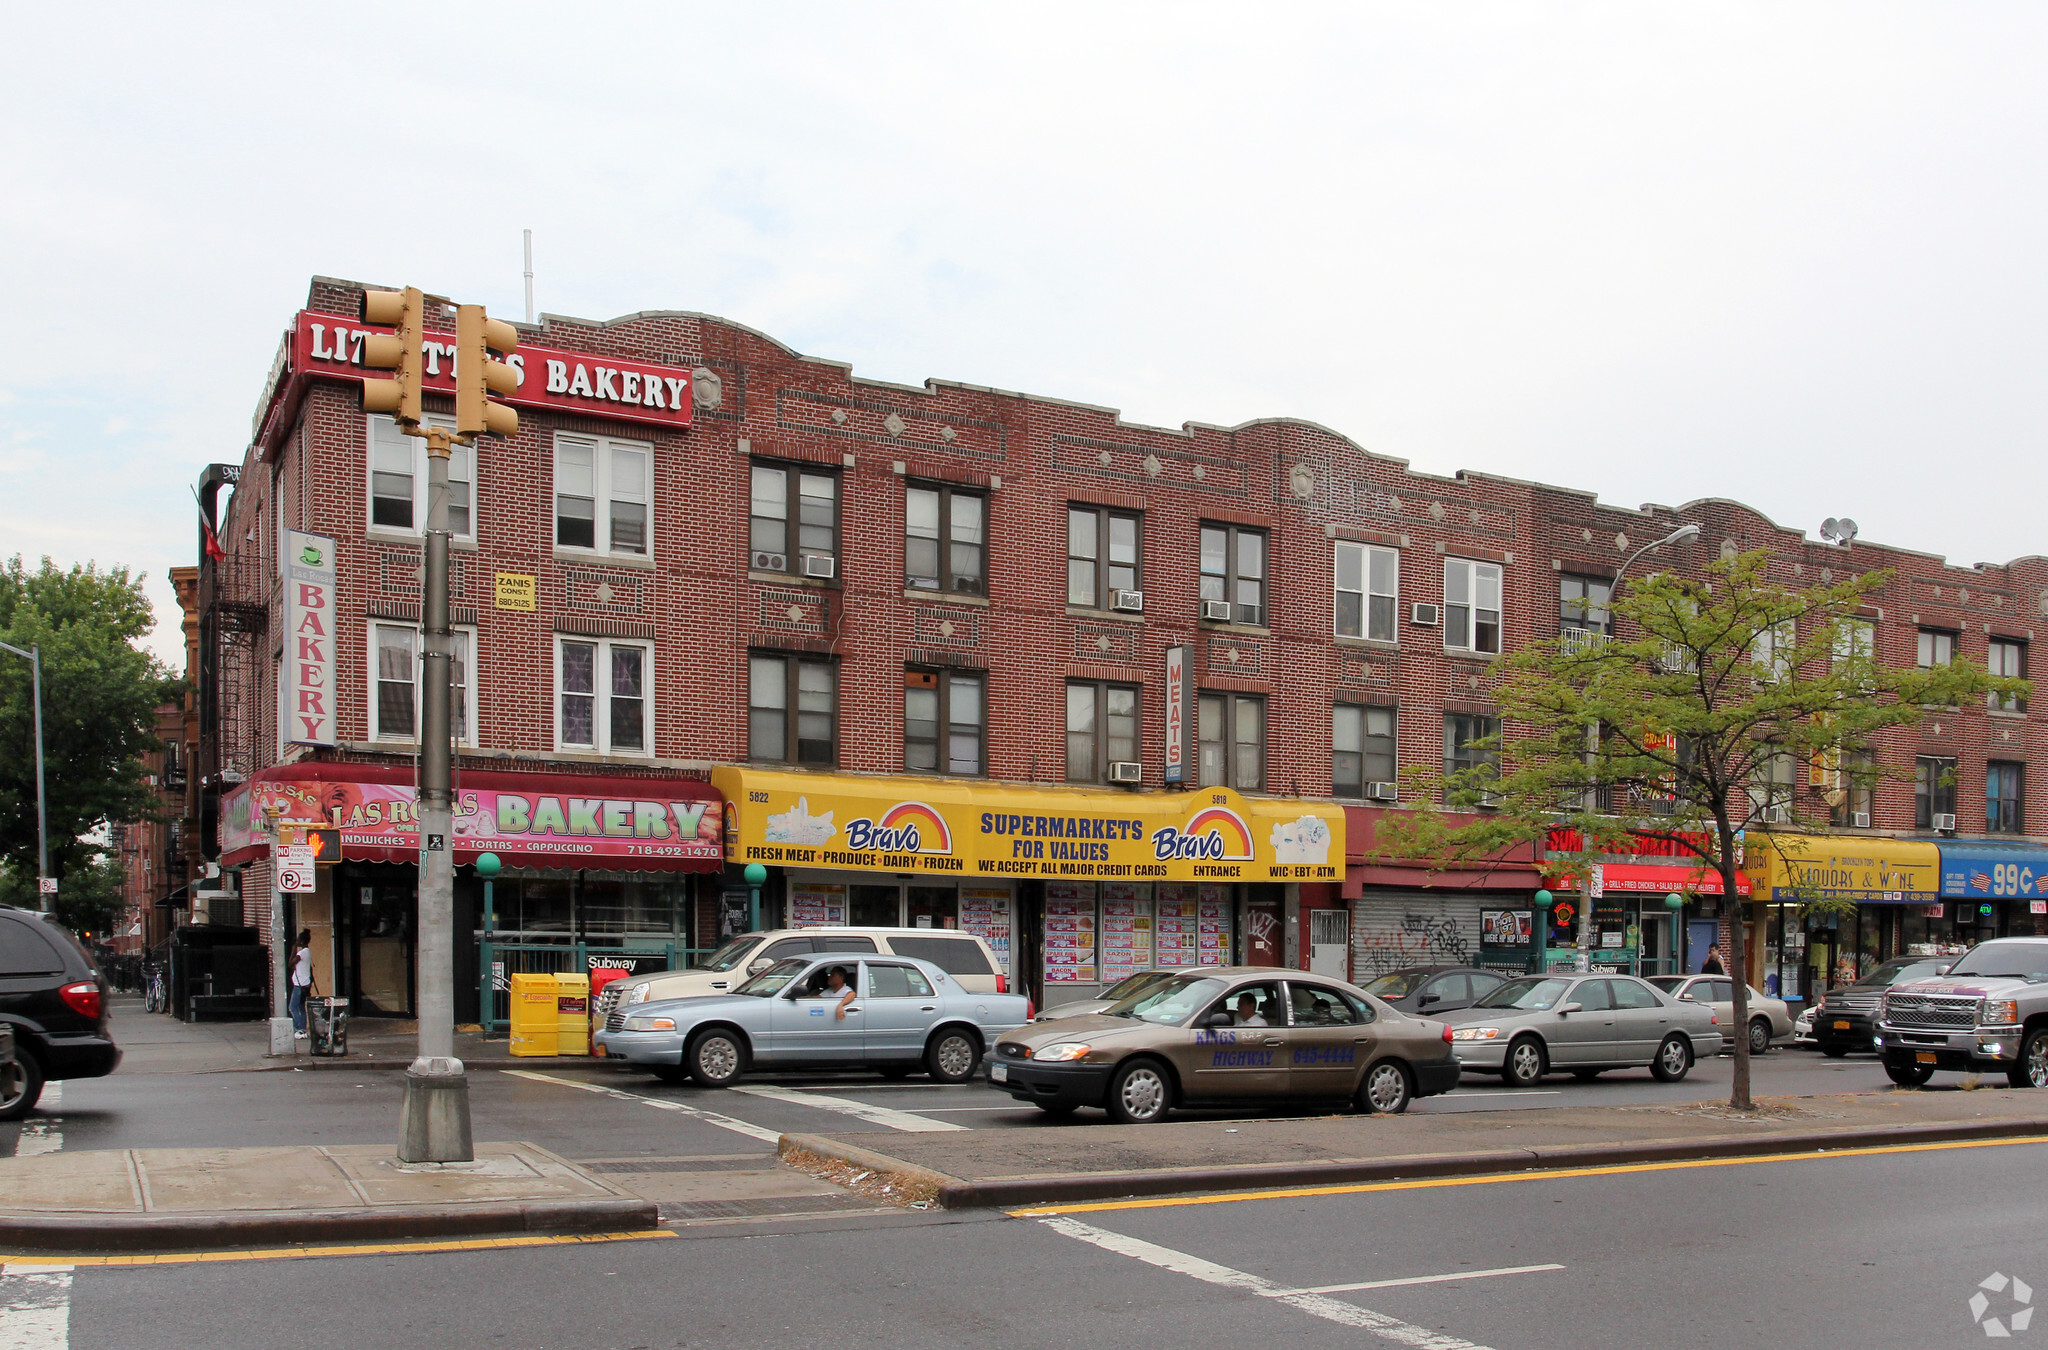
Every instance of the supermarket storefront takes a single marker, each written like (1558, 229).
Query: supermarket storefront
(1074, 888)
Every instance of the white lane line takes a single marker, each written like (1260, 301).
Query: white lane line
(43, 1133)
(1316, 1305)
(1428, 1279)
(35, 1307)
(708, 1117)
(847, 1106)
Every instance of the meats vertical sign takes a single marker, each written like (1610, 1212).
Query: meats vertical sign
(305, 695)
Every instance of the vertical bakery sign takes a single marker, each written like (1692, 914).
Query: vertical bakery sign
(305, 695)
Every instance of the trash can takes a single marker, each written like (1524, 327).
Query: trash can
(534, 1019)
(327, 1025)
(572, 1014)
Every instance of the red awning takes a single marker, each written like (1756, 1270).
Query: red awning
(552, 820)
(1651, 879)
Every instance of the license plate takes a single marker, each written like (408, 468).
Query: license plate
(1841, 1026)
(1924, 1057)
(998, 1073)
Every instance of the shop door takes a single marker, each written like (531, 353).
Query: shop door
(1700, 937)
(382, 951)
(1262, 946)
(1329, 943)
(875, 907)
(933, 907)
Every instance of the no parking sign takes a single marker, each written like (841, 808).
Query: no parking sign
(295, 868)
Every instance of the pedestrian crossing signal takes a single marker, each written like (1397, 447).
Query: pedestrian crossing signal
(326, 846)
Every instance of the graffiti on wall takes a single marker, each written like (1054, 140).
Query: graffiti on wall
(1420, 940)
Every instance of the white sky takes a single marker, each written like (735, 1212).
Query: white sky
(1786, 254)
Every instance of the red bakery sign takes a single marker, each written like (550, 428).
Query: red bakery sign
(597, 386)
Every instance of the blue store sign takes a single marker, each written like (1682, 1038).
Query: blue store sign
(1973, 870)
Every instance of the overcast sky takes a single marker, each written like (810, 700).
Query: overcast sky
(1790, 254)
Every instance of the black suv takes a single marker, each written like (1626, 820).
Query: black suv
(52, 998)
(1847, 1017)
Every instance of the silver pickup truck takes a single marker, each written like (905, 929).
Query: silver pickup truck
(1988, 1014)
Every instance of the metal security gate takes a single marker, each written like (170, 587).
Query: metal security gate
(1427, 928)
(1329, 943)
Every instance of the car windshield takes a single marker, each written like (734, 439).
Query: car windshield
(1132, 984)
(1171, 1003)
(1400, 984)
(2005, 960)
(732, 953)
(775, 979)
(1895, 972)
(1533, 993)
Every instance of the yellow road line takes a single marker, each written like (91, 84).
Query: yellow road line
(358, 1249)
(1494, 1179)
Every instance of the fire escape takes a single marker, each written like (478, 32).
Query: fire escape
(234, 618)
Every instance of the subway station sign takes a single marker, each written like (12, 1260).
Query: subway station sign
(994, 832)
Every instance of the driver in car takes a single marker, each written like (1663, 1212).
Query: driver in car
(1248, 1011)
(838, 986)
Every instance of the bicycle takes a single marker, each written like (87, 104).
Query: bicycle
(156, 994)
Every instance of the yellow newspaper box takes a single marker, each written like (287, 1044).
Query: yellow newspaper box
(534, 1015)
(572, 1014)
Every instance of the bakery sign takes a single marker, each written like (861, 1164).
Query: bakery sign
(331, 346)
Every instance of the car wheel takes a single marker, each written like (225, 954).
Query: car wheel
(669, 1073)
(952, 1055)
(2031, 1071)
(1834, 1051)
(1139, 1093)
(21, 1085)
(1673, 1061)
(1058, 1108)
(716, 1057)
(1585, 1075)
(1385, 1091)
(1759, 1036)
(1526, 1063)
(1908, 1075)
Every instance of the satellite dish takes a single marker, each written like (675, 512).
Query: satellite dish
(1846, 528)
(1838, 531)
(1828, 528)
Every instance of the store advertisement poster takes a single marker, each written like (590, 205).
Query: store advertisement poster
(815, 905)
(1126, 931)
(1069, 950)
(985, 912)
(1176, 927)
(1214, 918)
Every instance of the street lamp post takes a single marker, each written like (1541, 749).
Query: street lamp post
(44, 890)
(755, 874)
(1678, 535)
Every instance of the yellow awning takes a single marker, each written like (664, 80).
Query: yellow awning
(998, 831)
(1793, 868)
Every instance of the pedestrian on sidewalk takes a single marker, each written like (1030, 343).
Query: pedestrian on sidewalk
(1712, 965)
(302, 982)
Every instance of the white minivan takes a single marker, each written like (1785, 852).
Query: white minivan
(964, 956)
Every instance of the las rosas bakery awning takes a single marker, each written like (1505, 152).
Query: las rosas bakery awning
(528, 820)
(994, 831)
(1794, 869)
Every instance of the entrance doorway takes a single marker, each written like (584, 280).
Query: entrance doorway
(1329, 943)
(875, 906)
(932, 907)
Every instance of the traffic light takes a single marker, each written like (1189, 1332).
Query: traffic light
(477, 376)
(401, 351)
(326, 846)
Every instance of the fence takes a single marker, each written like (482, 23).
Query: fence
(500, 961)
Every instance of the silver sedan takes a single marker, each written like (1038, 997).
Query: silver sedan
(1583, 1025)
(894, 1013)
(1770, 1021)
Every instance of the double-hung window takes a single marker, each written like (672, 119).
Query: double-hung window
(793, 520)
(1471, 606)
(2007, 658)
(1770, 789)
(605, 694)
(1937, 647)
(1102, 556)
(1368, 591)
(1362, 748)
(396, 667)
(603, 491)
(1850, 794)
(1471, 742)
(1772, 647)
(1934, 789)
(1234, 573)
(398, 479)
(944, 721)
(1582, 609)
(792, 710)
(944, 540)
(1102, 729)
(2004, 782)
(1230, 735)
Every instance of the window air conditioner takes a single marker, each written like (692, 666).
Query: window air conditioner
(1217, 611)
(1126, 771)
(1945, 821)
(1489, 801)
(1132, 602)
(770, 562)
(1859, 820)
(1777, 815)
(1383, 792)
(816, 565)
(1423, 616)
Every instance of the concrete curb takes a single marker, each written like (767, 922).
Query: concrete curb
(950, 1192)
(159, 1232)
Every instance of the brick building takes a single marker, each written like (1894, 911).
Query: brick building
(918, 650)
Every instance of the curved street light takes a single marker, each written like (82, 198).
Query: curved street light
(1683, 532)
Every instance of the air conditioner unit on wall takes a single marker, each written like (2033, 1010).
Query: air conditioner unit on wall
(1217, 611)
(1777, 815)
(817, 566)
(1126, 771)
(770, 562)
(1383, 792)
(1859, 820)
(1131, 602)
(1423, 616)
(1945, 821)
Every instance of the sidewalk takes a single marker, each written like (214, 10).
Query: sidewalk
(1088, 1161)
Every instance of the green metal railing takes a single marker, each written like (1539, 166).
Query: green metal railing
(498, 962)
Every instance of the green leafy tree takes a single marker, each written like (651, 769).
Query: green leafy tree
(100, 693)
(1709, 712)
(89, 902)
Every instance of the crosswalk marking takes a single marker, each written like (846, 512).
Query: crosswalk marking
(35, 1307)
(659, 1103)
(846, 1106)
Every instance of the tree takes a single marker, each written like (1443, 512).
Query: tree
(90, 901)
(1699, 719)
(100, 694)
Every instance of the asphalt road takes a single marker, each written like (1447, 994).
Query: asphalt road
(1836, 1250)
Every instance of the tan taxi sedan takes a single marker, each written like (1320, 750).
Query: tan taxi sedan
(1230, 1037)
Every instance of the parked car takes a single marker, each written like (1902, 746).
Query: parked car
(1988, 1013)
(1582, 1025)
(1846, 1017)
(905, 1014)
(1116, 993)
(54, 1001)
(1227, 1036)
(1433, 990)
(964, 956)
(1802, 1029)
(1770, 1020)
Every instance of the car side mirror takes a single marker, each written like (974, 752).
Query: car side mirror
(1687, 998)
(1218, 1019)
(759, 964)
(1570, 1008)
(1424, 1000)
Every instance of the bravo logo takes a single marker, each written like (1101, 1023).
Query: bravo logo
(906, 827)
(1217, 834)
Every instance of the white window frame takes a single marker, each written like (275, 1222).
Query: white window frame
(601, 715)
(605, 495)
(465, 735)
(1366, 594)
(1464, 643)
(376, 428)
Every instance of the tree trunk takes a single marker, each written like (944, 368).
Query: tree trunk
(1738, 972)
